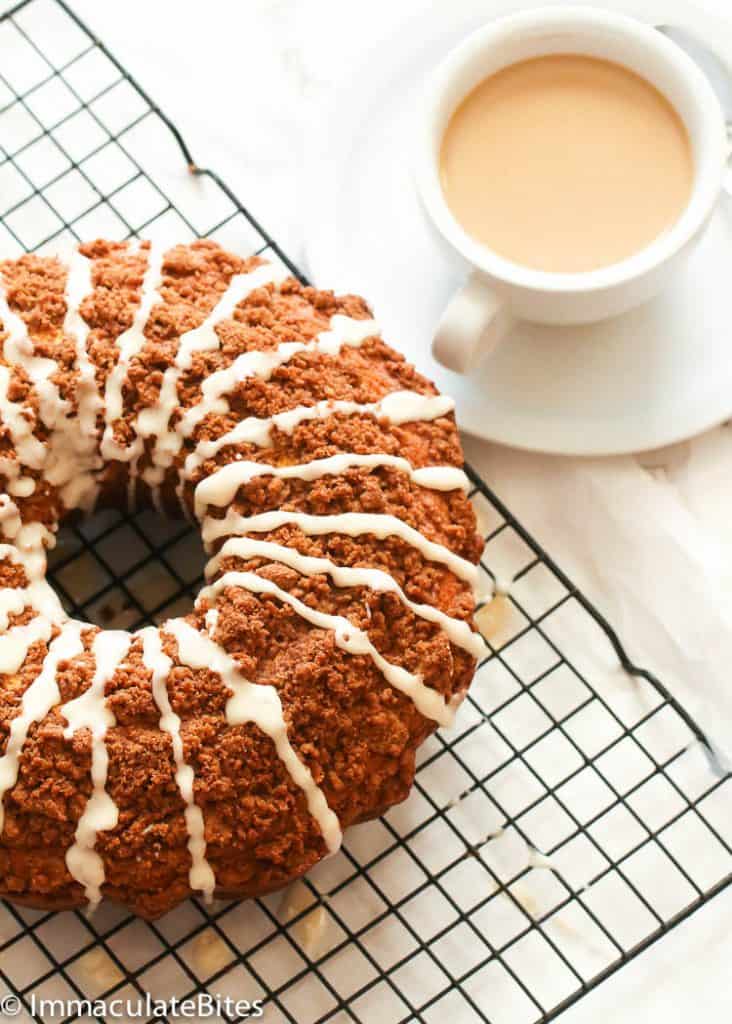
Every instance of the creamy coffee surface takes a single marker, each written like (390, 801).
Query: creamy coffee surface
(566, 163)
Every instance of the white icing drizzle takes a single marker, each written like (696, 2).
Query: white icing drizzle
(154, 421)
(129, 344)
(29, 551)
(91, 711)
(353, 524)
(221, 486)
(397, 408)
(347, 636)
(79, 490)
(343, 331)
(16, 417)
(40, 697)
(30, 452)
(201, 875)
(15, 644)
(10, 521)
(78, 286)
(457, 630)
(18, 486)
(20, 352)
(251, 702)
(69, 457)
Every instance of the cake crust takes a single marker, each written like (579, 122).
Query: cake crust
(223, 752)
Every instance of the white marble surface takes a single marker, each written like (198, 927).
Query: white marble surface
(241, 80)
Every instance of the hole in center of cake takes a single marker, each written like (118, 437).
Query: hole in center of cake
(123, 571)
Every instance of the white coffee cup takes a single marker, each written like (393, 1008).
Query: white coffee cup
(499, 292)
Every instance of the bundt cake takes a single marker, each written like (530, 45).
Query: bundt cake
(222, 752)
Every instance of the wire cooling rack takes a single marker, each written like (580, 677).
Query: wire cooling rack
(569, 819)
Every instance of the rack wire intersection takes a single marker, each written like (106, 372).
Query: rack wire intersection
(571, 817)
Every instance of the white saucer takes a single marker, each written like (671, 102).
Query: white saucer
(647, 379)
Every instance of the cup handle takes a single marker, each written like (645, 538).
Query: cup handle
(475, 322)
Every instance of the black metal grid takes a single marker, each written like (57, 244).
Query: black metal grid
(564, 747)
